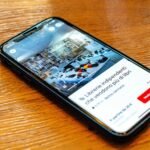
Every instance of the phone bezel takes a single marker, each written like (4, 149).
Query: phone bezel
(51, 89)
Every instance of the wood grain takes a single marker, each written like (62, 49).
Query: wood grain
(28, 119)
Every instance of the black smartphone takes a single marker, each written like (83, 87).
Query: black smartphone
(104, 85)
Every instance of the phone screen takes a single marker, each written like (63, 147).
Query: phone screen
(100, 80)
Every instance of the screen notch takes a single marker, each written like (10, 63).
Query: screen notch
(26, 33)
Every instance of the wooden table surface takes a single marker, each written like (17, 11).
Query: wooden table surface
(28, 119)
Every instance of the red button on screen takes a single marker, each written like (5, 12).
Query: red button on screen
(145, 97)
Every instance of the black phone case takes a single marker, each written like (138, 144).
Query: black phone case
(50, 90)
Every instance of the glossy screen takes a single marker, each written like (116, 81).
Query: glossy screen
(92, 75)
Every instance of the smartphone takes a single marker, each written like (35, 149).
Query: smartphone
(105, 86)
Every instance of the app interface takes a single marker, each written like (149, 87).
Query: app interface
(92, 75)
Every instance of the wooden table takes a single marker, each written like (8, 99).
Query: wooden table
(28, 119)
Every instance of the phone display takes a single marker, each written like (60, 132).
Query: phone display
(107, 85)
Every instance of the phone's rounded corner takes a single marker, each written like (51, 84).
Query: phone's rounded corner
(53, 18)
(121, 135)
(56, 17)
(2, 49)
(131, 133)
